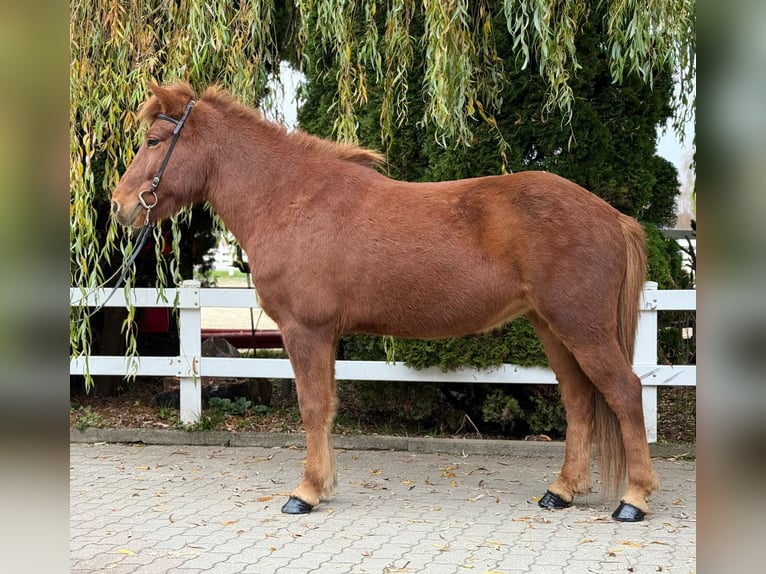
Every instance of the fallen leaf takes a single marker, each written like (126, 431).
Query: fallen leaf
(125, 551)
(587, 540)
(631, 543)
(230, 522)
(376, 471)
(264, 498)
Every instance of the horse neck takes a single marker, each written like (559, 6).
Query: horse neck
(248, 176)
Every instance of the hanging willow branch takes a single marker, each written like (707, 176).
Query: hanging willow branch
(117, 46)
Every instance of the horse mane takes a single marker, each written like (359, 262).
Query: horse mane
(222, 100)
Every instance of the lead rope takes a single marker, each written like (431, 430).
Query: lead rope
(126, 267)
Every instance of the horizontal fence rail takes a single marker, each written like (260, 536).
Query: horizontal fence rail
(190, 365)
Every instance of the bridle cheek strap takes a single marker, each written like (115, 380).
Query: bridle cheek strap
(179, 123)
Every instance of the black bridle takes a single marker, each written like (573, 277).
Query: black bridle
(179, 123)
(143, 234)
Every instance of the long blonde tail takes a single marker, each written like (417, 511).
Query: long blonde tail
(606, 428)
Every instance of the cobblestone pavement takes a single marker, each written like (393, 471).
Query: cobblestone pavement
(193, 509)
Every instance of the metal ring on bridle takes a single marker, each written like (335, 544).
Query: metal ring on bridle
(142, 201)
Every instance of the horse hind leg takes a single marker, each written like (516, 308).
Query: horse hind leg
(577, 395)
(606, 366)
(312, 355)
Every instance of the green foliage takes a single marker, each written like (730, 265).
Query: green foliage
(526, 410)
(207, 422)
(547, 414)
(665, 265)
(222, 406)
(502, 409)
(87, 418)
(416, 402)
(168, 414)
(515, 343)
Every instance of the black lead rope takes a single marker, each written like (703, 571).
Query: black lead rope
(127, 267)
(143, 235)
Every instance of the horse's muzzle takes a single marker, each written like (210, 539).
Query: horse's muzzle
(123, 217)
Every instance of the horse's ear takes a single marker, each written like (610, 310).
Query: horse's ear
(163, 95)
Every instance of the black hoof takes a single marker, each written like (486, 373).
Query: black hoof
(295, 505)
(551, 500)
(628, 513)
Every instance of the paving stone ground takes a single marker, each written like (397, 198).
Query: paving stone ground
(155, 509)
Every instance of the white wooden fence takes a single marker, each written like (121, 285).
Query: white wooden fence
(189, 365)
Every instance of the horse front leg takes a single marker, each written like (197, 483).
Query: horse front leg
(312, 355)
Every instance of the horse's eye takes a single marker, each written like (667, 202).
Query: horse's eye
(151, 142)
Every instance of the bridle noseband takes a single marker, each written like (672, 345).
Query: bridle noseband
(179, 123)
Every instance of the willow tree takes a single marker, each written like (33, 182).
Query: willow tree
(117, 46)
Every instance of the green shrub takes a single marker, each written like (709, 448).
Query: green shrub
(514, 343)
(502, 409)
(413, 401)
(547, 414)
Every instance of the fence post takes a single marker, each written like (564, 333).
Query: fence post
(646, 354)
(190, 339)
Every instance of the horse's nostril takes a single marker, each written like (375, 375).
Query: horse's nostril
(115, 207)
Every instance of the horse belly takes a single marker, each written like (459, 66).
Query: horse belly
(432, 309)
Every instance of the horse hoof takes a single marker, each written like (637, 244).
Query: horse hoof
(295, 505)
(628, 513)
(551, 500)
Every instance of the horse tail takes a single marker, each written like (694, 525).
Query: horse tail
(632, 285)
(606, 428)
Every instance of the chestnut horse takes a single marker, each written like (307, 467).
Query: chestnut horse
(336, 247)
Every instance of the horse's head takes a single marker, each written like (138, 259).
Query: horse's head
(167, 172)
